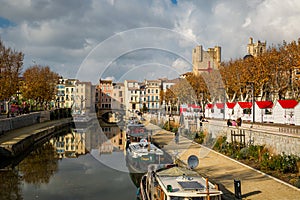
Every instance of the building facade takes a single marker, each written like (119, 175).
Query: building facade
(104, 91)
(256, 49)
(82, 98)
(65, 93)
(132, 95)
(205, 61)
(118, 98)
(152, 95)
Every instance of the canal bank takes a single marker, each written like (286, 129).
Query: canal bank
(223, 170)
(16, 141)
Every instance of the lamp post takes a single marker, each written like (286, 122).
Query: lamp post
(253, 101)
(224, 101)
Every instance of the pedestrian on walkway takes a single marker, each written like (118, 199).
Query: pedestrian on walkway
(177, 137)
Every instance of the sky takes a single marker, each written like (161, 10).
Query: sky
(136, 39)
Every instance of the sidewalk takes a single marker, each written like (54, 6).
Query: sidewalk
(10, 135)
(223, 170)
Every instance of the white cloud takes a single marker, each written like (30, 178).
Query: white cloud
(247, 22)
(62, 33)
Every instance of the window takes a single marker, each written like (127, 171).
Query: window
(268, 111)
(247, 111)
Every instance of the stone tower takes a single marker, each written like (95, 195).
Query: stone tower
(256, 49)
(205, 60)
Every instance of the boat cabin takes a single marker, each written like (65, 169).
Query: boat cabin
(178, 183)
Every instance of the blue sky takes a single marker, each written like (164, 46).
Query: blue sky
(65, 34)
(5, 23)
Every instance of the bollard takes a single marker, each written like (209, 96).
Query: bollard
(237, 189)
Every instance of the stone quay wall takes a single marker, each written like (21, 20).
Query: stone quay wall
(19, 121)
(276, 140)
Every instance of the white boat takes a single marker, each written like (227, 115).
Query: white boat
(141, 154)
(170, 182)
(135, 132)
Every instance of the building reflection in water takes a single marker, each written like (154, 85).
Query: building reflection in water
(38, 166)
(72, 144)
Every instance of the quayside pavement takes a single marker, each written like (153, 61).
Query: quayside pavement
(222, 170)
(10, 135)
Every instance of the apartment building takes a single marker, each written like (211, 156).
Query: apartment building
(103, 94)
(132, 95)
(82, 97)
(152, 94)
(118, 97)
(65, 93)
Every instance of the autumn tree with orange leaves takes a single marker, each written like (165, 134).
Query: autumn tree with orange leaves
(11, 63)
(271, 76)
(40, 85)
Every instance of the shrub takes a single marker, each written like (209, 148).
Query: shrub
(199, 137)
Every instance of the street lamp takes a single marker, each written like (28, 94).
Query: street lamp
(253, 102)
(224, 101)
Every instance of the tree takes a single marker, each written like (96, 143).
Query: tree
(11, 63)
(40, 84)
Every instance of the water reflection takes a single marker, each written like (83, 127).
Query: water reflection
(65, 168)
(39, 165)
(10, 181)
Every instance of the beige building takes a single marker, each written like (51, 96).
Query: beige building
(65, 93)
(132, 95)
(205, 61)
(118, 98)
(152, 95)
(256, 49)
(82, 97)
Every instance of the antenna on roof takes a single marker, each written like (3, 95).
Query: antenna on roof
(193, 161)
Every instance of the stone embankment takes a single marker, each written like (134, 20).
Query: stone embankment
(17, 141)
(223, 170)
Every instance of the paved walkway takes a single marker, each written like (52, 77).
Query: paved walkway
(28, 130)
(223, 170)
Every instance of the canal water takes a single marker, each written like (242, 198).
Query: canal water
(54, 170)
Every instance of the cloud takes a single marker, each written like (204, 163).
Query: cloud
(64, 33)
(247, 22)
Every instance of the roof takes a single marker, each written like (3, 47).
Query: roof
(209, 105)
(220, 105)
(290, 103)
(230, 105)
(264, 104)
(245, 105)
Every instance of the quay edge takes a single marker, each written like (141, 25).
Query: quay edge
(20, 144)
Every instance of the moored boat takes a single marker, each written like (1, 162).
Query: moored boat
(141, 154)
(170, 182)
